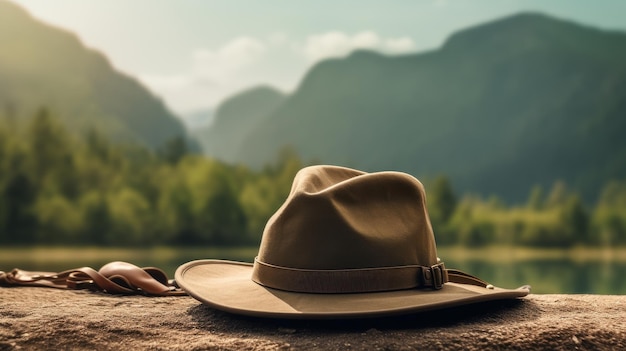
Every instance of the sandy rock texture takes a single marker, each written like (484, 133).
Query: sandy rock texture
(41, 318)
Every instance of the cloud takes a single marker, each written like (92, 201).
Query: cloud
(400, 45)
(214, 74)
(211, 73)
(337, 44)
(221, 64)
(165, 83)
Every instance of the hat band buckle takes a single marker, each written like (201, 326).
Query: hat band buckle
(434, 276)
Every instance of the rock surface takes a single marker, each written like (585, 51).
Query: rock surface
(40, 318)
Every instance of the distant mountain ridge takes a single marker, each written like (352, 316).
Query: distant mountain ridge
(198, 119)
(235, 117)
(500, 107)
(45, 67)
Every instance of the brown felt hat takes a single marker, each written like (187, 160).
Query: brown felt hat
(345, 244)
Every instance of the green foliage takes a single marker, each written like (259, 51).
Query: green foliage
(561, 221)
(442, 204)
(608, 223)
(535, 200)
(59, 189)
(58, 219)
(442, 200)
(56, 188)
(174, 150)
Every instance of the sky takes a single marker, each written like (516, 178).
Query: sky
(195, 53)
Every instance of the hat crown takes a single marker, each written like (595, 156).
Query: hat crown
(340, 218)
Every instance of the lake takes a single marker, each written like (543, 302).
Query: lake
(574, 271)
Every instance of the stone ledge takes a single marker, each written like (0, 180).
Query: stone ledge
(40, 318)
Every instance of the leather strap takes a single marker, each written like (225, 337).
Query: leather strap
(349, 280)
(113, 278)
(460, 277)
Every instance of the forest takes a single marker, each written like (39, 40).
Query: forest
(57, 188)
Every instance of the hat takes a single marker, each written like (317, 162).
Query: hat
(345, 244)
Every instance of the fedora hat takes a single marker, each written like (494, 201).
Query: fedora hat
(345, 244)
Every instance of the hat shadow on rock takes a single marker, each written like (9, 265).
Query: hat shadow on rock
(492, 313)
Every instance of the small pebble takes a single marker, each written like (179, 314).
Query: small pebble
(287, 330)
(372, 331)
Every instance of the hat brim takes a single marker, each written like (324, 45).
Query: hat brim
(226, 285)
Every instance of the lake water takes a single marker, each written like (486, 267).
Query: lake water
(578, 271)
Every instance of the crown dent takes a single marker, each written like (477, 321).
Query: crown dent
(337, 218)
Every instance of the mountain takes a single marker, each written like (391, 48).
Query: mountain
(500, 107)
(200, 119)
(45, 67)
(235, 117)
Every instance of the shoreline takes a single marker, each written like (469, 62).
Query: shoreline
(489, 252)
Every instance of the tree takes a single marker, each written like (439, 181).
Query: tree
(535, 200)
(259, 200)
(130, 218)
(176, 217)
(441, 202)
(59, 221)
(609, 217)
(96, 216)
(224, 218)
(558, 195)
(174, 150)
(48, 143)
(19, 196)
(97, 145)
(575, 220)
(51, 156)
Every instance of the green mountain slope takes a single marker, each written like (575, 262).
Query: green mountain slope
(43, 66)
(500, 107)
(234, 118)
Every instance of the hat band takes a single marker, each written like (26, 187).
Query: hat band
(349, 280)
